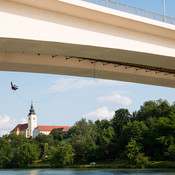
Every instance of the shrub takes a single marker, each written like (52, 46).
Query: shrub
(141, 161)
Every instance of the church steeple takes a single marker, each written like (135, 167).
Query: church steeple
(32, 121)
(32, 111)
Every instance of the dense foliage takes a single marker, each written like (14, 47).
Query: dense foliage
(146, 135)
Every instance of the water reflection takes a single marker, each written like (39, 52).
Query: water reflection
(86, 172)
(34, 172)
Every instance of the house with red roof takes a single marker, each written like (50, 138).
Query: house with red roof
(21, 129)
(31, 129)
(47, 129)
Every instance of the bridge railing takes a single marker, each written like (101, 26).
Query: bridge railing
(133, 10)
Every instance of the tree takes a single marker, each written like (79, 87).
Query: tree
(105, 137)
(62, 156)
(45, 151)
(16, 140)
(132, 150)
(42, 138)
(121, 118)
(27, 154)
(5, 150)
(83, 138)
(141, 160)
(56, 135)
(161, 138)
(152, 109)
(102, 124)
(134, 130)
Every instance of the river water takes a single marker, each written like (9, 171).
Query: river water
(86, 172)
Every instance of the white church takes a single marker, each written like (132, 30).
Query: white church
(31, 130)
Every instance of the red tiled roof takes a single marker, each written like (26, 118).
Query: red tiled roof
(50, 128)
(63, 129)
(21, 127)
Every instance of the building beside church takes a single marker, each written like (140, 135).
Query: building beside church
(31, 130)
(47, 129)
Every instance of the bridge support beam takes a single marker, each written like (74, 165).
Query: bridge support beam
(54, 64)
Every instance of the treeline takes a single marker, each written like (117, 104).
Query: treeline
(141, 137)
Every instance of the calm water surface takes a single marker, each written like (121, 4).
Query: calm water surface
(86, 172)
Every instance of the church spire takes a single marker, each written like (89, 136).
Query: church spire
(31, 111)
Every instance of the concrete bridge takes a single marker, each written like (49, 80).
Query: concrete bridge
(74, 37)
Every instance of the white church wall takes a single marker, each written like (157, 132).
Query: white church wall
(35, 132)
(45, 132)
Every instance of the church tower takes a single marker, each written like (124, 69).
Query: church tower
(32, 121)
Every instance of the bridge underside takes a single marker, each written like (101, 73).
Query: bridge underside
(76, 60)
(72, 37)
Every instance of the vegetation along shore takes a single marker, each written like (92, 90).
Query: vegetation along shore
(143, 139)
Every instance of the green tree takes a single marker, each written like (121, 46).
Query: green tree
(56, 135)
(132, 150)
(5, 150)
(45, 151)
(162, 138)
(106, 136)
(83, 138)
(152, 109)
(134, 130)
(27, 154)
(142, 161)
(16, 140)
(102, 124)
(42, 138)
(120, 118)
(62, 156)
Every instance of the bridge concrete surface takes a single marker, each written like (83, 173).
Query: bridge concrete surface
(74, 37)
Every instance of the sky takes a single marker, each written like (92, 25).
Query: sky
(63, 100)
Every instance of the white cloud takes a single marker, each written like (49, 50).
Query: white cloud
(3, 132)
(64, 84)
(100, 113)
(117, 99)
(7, 124)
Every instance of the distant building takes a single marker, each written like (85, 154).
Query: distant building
(47, 129)
(31, 129)
(21, 129)
(27, 128)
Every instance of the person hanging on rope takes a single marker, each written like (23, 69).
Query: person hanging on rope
(14, 87)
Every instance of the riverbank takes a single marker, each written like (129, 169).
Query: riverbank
(117, 164)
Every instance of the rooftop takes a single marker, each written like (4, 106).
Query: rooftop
(20, 127)
(50, 128)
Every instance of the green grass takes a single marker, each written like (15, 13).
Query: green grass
(162, 164)
(108, 164)
(99, 164)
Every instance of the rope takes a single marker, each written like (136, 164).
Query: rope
(56, 93)
(32, 81)
(48, 98)
(23, 99)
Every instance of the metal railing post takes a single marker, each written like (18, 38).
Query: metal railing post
(127, 8)
(116, 4)
(156, 16)
(107, 3)
(136, 11)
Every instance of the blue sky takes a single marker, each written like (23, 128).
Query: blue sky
(63, 100)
